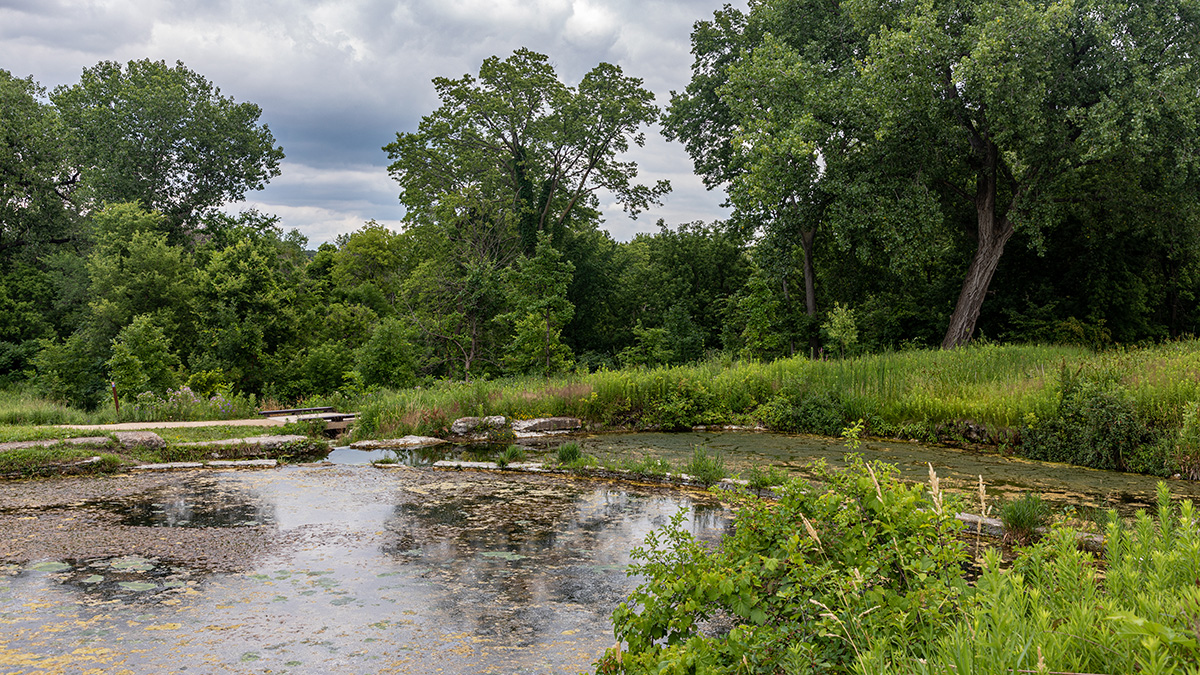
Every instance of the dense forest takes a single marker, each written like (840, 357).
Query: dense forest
(901, 176)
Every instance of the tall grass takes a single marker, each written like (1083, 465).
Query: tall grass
(989, 384)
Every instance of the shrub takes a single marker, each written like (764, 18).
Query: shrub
(804, 581)
(648, 466)
(1095, 426)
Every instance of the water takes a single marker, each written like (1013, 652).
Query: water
(959, 470)
(371, 571)
(356, 569)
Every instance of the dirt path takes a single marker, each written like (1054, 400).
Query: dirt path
(129, 426)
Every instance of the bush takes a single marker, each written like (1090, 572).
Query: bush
(805, 581)
(802, 412)
(1095, 426)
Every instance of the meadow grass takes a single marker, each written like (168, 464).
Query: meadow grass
(989, 384)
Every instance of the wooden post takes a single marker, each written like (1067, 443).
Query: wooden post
(116, 401)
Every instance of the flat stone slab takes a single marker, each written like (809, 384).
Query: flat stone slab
(544, 424)
(264, 441)
(515, 466)
(238, 463)
(167, 466)
(403, 442)
(140, 439)
(86, 440)
(465, 425)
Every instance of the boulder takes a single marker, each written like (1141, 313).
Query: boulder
(467, 425)
(544, 424)
(140, 439)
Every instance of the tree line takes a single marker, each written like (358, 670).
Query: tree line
(901, 175)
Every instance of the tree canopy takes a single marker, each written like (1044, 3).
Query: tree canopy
(164, 137)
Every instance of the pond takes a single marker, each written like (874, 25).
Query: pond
(1004, 476)
(322, 570)
(349, 568)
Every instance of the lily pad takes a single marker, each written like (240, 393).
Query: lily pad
(94, 579)
(49, 567)
(137, 586)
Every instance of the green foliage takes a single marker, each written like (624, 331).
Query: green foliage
(141, 360)
(568, 453)
(705, 467)
(1186, 450)
(182, 405)
(538, 295)
(1055, 612)
(807, 582)
(164, 137)
(1023, 517)
(512, 453)
(647, 466)
(35, 171)
(761, 479)
(1096, 425)
(387, 358)
(841, 328)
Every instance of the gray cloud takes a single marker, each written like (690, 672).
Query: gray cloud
(337, 79)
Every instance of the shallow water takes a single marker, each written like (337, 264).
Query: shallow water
(386, 570)
(1061, 484)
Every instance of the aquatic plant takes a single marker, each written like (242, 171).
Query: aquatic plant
(705, 467)
(568, 453)
(513, 453)
(1023, 517)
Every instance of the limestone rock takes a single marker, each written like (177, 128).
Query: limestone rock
(140, 439)
(543, 424)
(403, 442)
(466, 425)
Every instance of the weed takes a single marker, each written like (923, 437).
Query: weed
(648, 466)
(568, 453)
(1023, 516)
(760, 480)
(705, 468)
(513, 453)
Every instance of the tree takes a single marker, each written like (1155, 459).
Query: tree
(166, 138)
(36, 176)
(518, 147)
(142, 360)
(1019, 110)
(538, 294)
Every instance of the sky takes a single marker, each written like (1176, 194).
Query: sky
(336, 80)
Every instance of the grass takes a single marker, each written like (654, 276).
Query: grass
(511, 454)
(705, 467)
(10, 434)
(1023, 517)
(761, 479)
(568, 453)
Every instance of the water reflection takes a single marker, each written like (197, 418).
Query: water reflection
(203, 502)
(959, 470)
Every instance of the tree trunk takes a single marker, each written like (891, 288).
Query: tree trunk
(992, 234)
(810, 283)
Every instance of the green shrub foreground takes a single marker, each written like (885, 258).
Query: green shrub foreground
(865, 575)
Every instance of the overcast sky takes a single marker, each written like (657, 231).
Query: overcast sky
(337, 80)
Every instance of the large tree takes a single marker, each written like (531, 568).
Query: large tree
(36, 176)
(517, 146)
(165, 137)
(1020, 109)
